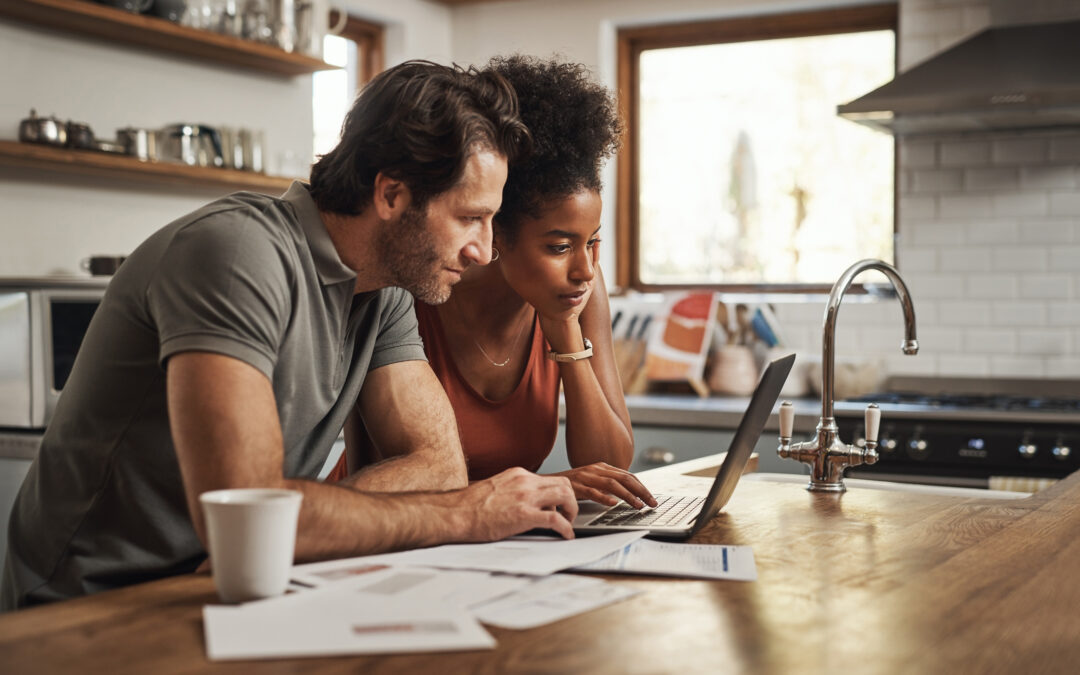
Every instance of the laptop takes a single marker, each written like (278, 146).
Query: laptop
(682, 516)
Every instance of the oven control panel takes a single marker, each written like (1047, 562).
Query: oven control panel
(971, 449)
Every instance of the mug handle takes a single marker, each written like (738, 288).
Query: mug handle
(145, 5)
(342, 19)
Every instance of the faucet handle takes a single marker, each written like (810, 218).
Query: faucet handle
(787, 419)
(873, 421)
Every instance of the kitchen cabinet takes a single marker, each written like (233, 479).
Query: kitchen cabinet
(116, 26)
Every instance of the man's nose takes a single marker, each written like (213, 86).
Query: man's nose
(478, 249)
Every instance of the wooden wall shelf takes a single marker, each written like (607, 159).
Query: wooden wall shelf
(117, 26)
(132, 171)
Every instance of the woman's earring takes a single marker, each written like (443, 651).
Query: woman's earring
(494, 254)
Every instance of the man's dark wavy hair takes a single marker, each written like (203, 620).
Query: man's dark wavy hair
(575, 126)
(418, 122)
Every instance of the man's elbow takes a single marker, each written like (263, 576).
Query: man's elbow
(453, 474)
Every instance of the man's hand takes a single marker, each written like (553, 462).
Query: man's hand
(515, 501)
(607, 484)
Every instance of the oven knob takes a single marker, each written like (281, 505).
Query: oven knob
(1028, 450)
(1061, 452)
(917, 448)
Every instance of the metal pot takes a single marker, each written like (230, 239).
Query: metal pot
(192, 144)
(141, 143)
(47, 130)
(80, 136)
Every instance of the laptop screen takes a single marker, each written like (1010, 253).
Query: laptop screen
(746, 437)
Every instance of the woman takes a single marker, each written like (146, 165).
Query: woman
(538, 314)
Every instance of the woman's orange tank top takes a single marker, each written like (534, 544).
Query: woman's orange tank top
(519, 430)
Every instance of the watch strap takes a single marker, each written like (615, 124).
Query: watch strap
(573, 356)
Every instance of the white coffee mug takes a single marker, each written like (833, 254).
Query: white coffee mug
(251, 534)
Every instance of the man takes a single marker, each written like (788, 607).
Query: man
(231, 345)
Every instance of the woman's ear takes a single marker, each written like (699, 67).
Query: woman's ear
(391, 197)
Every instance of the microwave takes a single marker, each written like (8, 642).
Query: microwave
(42, 325)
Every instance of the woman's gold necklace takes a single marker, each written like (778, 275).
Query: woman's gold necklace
(513, 348)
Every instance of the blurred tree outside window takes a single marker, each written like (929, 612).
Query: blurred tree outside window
(746, 175)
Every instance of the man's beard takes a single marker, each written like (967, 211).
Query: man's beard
(411, 257)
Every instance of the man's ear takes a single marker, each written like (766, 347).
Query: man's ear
(391, 197)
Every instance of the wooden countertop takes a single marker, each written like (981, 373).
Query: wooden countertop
(869, 581)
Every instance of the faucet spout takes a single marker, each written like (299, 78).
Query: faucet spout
(826, 454)
(909, 346)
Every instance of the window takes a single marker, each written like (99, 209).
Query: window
(356, 46)
(737, 172)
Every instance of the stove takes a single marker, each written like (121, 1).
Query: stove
(970, 432)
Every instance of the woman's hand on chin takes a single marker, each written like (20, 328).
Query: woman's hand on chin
(607, 484)
(562, 327)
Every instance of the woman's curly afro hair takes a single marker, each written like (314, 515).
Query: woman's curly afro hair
(575, 126)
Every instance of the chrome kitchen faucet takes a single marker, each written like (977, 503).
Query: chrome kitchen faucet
(827, 455)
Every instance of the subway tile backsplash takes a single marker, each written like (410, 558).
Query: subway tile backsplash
(988, 240)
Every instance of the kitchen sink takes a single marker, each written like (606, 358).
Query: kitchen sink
(862, 483)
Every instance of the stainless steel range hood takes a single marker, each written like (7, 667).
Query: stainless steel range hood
(1008, 77)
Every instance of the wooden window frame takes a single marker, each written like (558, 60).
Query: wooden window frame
(370, 45)
(632, 41)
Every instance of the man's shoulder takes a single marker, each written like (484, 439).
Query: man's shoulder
(240, 212)
(258, 224)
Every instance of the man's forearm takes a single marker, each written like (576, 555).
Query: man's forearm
(409, 473)
(336, 522)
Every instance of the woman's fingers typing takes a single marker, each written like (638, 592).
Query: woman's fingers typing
(602, 482)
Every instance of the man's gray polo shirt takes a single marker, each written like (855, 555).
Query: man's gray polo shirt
(249, 276)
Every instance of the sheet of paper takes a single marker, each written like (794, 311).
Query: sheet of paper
(383, 612)
(550, 599)
(538, 556)
(702, 561)
(451, 588)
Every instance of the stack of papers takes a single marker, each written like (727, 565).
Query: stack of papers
(434, 599)
(700, 561)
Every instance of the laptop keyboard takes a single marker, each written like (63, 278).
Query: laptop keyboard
(669, 509)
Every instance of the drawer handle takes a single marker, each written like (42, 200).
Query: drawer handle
(658, 456)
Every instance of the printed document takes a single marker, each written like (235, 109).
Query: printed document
(384, 614)
(537, 556)
(700, 561)
(458, 589)
(550, 599)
